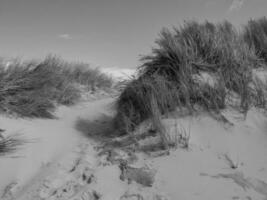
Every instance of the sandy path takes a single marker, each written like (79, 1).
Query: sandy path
(52, 140)
(221, 162)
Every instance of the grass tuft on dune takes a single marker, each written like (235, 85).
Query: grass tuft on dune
(32, 89)
(10, 144)
(175, 74)
(255, 35)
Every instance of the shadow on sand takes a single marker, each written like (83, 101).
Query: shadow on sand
(100, 129)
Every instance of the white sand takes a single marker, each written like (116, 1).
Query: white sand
(49, 140)
(201, 172)
(119, 73)
(195, 173)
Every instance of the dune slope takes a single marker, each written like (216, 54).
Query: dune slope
(65, 161)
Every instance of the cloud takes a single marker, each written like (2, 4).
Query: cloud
(65, 36)
(236, 5)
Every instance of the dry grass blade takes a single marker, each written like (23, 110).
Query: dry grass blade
(10, 144)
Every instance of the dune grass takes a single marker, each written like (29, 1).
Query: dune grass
(171, 76)
(33, 89)
(255, 35)
(10, 144)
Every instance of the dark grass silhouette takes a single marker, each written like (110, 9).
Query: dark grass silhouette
(10, 144)
(255, 35)
(170, 76)
(100, 130)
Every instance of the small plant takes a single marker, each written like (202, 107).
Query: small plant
(184, 137)
(231, 162)
(175, 141)
(259, 89)
(255, 35)
(10, 144)
(179, 137)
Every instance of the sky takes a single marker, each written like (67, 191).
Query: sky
(106, 33)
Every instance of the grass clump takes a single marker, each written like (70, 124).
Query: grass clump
(33, 89)
(173, 75)
(83, 74)
(10, 144)
(255, 35)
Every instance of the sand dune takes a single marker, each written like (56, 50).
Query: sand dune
(222, 161)
(48, 141)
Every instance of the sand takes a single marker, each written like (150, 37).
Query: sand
(48, 140)
(222, 161)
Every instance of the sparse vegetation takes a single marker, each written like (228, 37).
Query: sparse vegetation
(173, 75)
(255, 35)
(10, 144)
(184, 137)
(32, 89)
(232, 164)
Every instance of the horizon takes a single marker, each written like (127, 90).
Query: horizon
(108, 34)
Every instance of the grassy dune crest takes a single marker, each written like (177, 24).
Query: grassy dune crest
(198, 66)
(255, 35)
(32, 89)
